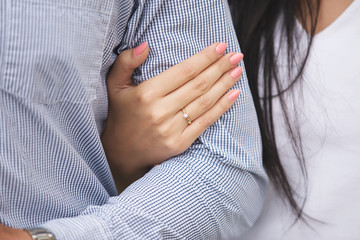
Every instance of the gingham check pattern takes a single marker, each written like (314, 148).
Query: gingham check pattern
(54, 56)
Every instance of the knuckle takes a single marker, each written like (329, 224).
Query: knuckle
(172, 145)
(163, 133)
(156, 118)
(125, 62)
(144, 97)
(209, 56)
(204, 122)
(138, 96)
(204, 102)
(188, 70)
(223, 66)
(129, 67)
(169, 146)
(201, 85)
(152, 118)
(226, 82)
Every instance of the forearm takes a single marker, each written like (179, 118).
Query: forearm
(179, 199)
(214, 190)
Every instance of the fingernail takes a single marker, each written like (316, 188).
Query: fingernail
(236, 72)
(236, 58)
(220, 48)
(140, 49)
(234, 95)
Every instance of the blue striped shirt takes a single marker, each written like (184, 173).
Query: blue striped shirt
(54, 56)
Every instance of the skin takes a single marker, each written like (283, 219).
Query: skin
(330, 10)
(199, 84)
(7, 233)
(145, 124)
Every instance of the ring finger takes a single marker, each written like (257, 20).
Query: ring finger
(205, 102)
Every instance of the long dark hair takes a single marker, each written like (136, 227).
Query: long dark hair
(255, 23)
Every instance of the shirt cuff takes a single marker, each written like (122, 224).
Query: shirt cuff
(80, 228)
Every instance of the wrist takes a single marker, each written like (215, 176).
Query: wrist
(123, 180)
(123, 160)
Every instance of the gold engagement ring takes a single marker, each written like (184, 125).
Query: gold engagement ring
(186, 116)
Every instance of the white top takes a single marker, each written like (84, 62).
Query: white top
(329, 104)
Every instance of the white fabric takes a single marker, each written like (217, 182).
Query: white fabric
(328, 114)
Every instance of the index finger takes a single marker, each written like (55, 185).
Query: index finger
(178, 75)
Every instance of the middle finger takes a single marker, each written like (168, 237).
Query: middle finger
(202, 83)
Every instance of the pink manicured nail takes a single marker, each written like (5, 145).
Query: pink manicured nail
(140, 49)
(220, 48)
(234, 95)
(236, 72)
(236, 58)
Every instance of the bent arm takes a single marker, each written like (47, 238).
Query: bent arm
(216, 188)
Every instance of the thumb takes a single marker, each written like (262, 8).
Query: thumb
(120, 75)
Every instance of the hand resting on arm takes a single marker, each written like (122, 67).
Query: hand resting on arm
(145, 124)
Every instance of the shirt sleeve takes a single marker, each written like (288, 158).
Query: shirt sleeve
(214, 190)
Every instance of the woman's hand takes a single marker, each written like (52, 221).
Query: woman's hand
(146, 123)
